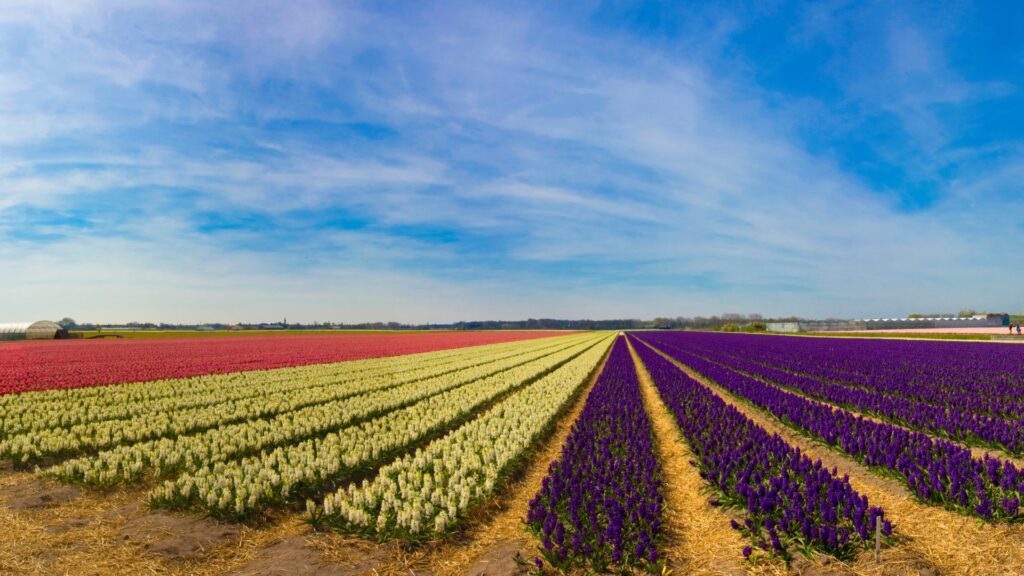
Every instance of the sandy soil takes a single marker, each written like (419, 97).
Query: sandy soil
(976, 451)
(53, 529)
(48, 528)
(930, 540)
(699, 538)
(495, 543)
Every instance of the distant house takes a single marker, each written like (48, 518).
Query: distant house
(42, 330)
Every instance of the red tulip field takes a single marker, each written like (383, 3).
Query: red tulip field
(76, 363)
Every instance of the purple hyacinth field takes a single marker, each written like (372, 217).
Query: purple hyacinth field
(600, 505)
(911, 439)
(787, 501)
(661, 452)
(712, 452)
(492, 288)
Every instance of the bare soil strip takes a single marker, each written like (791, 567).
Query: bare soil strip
(931, 541)
(44, 531)
(495, 533)
(103, 533)
(96, 534)
(699, 539)
(976, 451)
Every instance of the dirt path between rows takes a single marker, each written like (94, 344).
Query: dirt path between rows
(106, 533)
(48, 528)
(496, 543)
(932, 540)
(977, 451)
(699, 539)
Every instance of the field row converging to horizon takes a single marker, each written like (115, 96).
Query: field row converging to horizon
(408, 444)
(42, 365)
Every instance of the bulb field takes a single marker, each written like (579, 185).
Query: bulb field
(77, 363)
(648, 452)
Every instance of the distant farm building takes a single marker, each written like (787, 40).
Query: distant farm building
(977, 321)
(42, 330)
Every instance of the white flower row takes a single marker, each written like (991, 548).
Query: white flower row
(289, 472)
(104, 434)
(427, 492)
(21, 413)
(187, 452)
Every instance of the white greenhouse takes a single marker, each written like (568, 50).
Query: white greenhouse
(42, 330)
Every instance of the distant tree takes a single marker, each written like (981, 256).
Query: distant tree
(967, 313)
(914, 315)
(67, 323)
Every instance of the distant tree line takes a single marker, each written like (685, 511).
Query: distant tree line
(732, 322)
(660, 323)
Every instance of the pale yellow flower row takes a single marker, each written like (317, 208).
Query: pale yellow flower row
(289, 472)
(21, 413)
(430, 490)
(187, 452)
(105, 434)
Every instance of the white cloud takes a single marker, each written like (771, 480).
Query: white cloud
(570, 175)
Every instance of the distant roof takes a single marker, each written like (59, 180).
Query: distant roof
(932, 318)
(14, 327)
(29, 328)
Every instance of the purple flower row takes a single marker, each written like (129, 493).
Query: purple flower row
(973, 377)
(788, 500)
(600, 505)
(949, 421)
(936, 470)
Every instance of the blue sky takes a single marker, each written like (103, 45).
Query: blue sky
(430, 162)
